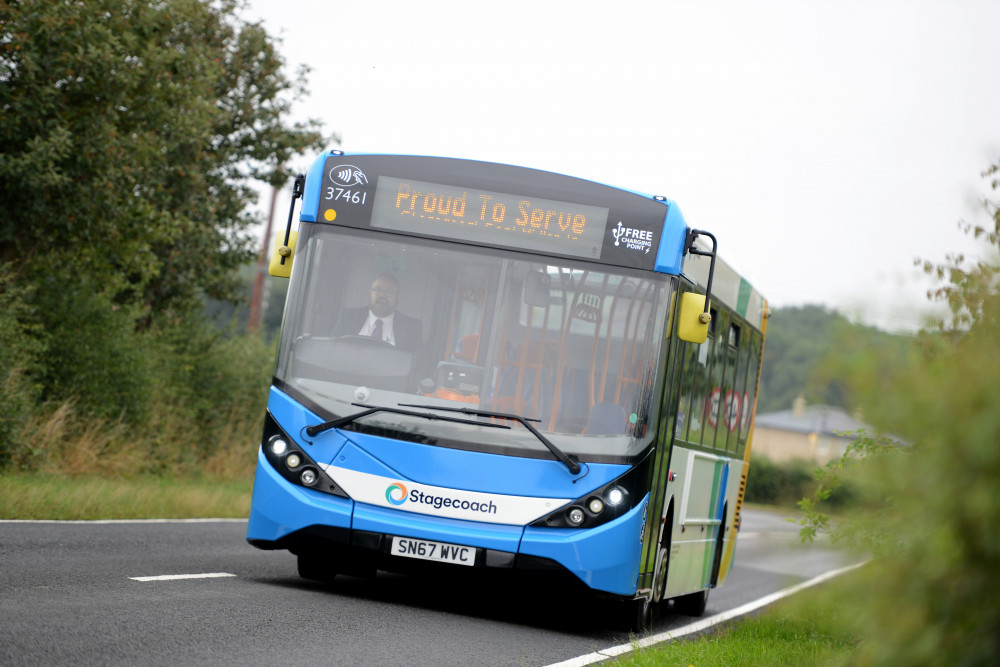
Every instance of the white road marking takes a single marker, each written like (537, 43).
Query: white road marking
(699, 626)
(170, 577)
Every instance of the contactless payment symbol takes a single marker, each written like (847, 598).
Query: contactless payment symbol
(395, 494)
(347, 175)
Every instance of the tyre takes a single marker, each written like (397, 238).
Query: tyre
(660, 575)
(693, 604)
(314, 568)
(634, 615)
(663, 558)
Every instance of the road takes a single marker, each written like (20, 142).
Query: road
(68, 596)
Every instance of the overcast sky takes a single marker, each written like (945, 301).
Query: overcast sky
(825, 144)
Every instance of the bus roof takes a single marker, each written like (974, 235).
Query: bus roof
(728, 286)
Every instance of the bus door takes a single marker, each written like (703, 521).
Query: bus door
(702, 507)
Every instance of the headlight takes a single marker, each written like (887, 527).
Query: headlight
(294, 464)
(279, 446)
(308, 476)
(604, 503)
(615, 496)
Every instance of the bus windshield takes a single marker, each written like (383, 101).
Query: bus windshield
(374, 320)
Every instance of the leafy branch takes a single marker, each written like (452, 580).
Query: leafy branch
(864, 446)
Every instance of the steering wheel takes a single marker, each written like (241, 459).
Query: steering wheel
(367, 340)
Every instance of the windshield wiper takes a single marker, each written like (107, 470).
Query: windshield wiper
(568, 461)
(371, 409)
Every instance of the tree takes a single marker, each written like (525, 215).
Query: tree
(21, 347)
(131, 131)
(933, 594)
(805, 345)
(797, 340)
(967, 286)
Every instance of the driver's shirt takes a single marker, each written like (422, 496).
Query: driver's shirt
(369, 325)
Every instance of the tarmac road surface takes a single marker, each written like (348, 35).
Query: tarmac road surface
(94, 593)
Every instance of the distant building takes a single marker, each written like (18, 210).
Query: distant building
(806, 432)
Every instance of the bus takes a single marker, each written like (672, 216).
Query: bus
(485, 366)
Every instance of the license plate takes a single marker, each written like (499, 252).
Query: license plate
(436, 551)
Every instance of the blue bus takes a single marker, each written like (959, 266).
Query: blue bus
(495, 367)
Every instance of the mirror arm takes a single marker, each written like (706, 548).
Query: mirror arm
(297, 189)
(690, 248)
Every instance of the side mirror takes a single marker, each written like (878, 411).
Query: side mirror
(281, 258)
(692, 321)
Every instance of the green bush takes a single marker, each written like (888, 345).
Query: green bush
(22, 345)
(211, 372)
(94, 356)
(932, 507)
(785, 484)
(934, 595)
(212, 390)
(90, 386)
(772, 483)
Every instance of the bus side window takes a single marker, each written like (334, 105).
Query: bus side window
(685, 410)
(700, 389)
(730, 418)
(714, 394)
(738, 443)
(691, 405)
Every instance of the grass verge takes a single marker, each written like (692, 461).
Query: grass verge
(31, 496)
(810, 628)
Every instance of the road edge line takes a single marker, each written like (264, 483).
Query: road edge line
(704, 624)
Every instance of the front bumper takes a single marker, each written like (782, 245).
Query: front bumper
(287, 516)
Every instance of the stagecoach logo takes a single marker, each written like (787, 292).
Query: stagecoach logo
(632, 238)
(396, 494)
(347, 175)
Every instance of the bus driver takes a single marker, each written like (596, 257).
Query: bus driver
(380, 319)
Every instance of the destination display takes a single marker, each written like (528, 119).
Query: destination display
(493, 218)
(490, 205)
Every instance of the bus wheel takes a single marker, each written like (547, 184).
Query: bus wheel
(660, 575)
(635, 614)
(693, 604)
(314, 568)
